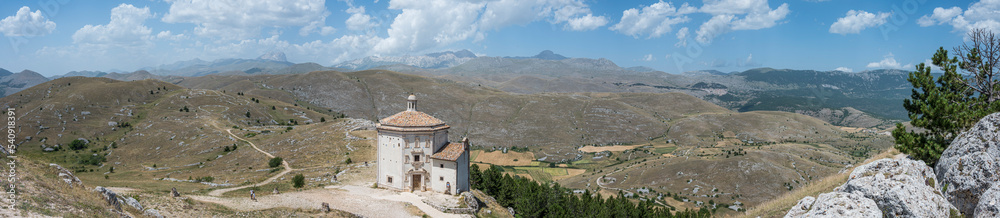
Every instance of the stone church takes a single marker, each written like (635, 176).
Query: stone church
(414, 153)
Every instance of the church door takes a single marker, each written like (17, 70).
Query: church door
(416, 183)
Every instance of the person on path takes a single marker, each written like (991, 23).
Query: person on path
(252, 195)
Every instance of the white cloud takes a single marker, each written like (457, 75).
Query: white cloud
(844, 69)
(749, 62)
(682, 37)
(940, 16)
(653, 21)
(168, 36)
(242, 19)
(979, 15)
(125, 29)
(648, 57)
(574, 14)
(855, 21)
(359, 20)
(756, 14)
(586, 22)
(27, 23)
(889, 62)
(423, 25)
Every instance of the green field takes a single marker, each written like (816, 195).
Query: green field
(664, 150)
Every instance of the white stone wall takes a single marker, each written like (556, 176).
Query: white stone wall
(462, 170)
(390, 160)
(443, 175)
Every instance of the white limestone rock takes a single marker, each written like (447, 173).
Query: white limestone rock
(836, 204)
(971, 164)
(901, 187)
(989, 203)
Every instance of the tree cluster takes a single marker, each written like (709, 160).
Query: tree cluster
(531, 199)
(968, 90)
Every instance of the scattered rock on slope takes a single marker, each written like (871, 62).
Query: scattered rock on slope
(835, 204)
(970, 164)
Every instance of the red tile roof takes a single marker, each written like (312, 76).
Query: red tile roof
(411, 119)
(450, 152)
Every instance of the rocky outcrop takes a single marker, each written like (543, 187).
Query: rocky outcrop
(67, 176)
(835, 204)
(110, 196)
(152, 213)
(901, 187)
(898, 187)
(971, 164)
(989, 203)
(132, 202)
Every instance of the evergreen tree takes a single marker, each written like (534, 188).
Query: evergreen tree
(952, 103)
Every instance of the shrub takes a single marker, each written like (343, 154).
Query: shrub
(77, 145)
(275, 162)
(348, 161)
(298, 181)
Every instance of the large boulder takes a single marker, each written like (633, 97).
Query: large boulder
(835, 204)
(901, 187)
(989, 203)
(969, 166)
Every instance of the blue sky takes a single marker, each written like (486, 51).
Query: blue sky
(56, 36)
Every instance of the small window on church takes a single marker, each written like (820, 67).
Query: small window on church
(442, 165)
(441, 178)
(390, 179)
(416, 158)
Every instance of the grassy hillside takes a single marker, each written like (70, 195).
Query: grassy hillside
(675, 137)
(157, 135)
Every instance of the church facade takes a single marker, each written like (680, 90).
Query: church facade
(414, 153)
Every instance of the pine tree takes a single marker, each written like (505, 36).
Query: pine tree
(952, 103)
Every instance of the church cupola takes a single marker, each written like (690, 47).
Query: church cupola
(411, 103)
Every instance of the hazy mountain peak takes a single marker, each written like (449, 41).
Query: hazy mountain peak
(274, 56)
(549, 55)
(5, 72)
(464, 53)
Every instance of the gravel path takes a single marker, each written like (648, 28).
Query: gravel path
(359, 200)
(219, 192)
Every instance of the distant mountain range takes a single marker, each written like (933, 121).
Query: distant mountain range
(427, 61)
(863, 96)
(11, 83)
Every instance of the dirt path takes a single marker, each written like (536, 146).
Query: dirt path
(364, 201)
(219, 192)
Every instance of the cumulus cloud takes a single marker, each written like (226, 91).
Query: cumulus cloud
(730, 15)
(888, 62)
(242, 19)
(125, 29)
(648, 57)
(855, 21)
(979, 15)
(682, 37)
(574, 14)
(423, 25)
(359, 20)
(844, 69)
(653, 20)
(26, 23)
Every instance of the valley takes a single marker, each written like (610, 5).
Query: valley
(213, 136)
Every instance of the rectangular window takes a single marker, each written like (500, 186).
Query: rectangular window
(416, 158)
(441, 178)
(389, 179)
